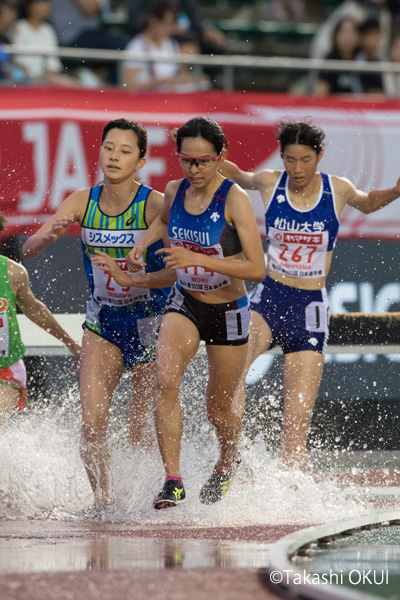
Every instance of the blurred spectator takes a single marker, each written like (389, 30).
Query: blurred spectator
(345, 43)
(192, 80)
(33, 30)
(286, 10)
(8, 17)
(156, 37)
(210, 39)
(392, 80)
(370, 50)
(78, 25)
(360, 10)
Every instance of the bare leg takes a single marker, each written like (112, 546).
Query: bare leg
(178, 341)
(259, 341)
(101, 369)
(301, 380)
(226, 368)
(8, 401)
(143, 402)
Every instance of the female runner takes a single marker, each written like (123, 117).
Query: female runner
(290, 307)
(121, 323)
(215, 247)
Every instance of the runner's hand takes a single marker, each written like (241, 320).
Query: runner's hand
(59, 228)
(133, 259)
(180, 258)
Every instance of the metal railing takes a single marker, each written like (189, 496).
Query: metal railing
(227, 63)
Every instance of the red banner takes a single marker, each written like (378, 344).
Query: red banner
(51, 139)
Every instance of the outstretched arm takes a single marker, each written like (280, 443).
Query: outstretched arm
(260, 180)
(71, 210)
(366, 203)
(35, 310)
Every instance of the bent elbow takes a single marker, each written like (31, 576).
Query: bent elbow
(26, 252)
(259, 274)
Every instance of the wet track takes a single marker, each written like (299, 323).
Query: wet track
(44, 560)
(49, 550)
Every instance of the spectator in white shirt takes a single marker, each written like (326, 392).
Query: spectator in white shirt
(33, 30)
(156, 37)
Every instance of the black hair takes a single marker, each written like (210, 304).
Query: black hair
(299, 132)
(369, 25)
(158, 9)
(126, 125)
(205, 128)
(336, 30)
(24, 7)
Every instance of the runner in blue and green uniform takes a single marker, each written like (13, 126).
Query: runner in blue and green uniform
(121, 323)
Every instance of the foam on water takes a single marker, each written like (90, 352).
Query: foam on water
(42, 475)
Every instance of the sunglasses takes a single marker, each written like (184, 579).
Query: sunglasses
(201, 162)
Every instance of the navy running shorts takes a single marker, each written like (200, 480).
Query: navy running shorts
(298, 319)
(133, 330)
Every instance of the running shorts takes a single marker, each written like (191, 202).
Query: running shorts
(132, 330)
(298, 319)
(225, 324)
(14, 376)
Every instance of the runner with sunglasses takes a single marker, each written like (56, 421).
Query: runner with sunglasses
(215, 247)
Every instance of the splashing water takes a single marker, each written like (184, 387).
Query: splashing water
(42, 475)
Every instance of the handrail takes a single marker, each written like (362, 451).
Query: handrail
(227, 62)
(281, 572)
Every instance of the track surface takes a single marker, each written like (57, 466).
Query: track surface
(46, 560)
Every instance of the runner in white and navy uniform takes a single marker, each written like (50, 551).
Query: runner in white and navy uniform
(298, 243)
(215, 247)
(290, 306)
(121, 322)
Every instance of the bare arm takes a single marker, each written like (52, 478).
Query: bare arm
(35, 310)
(158, 279)
(347, 193)
(260, 180)
(252, 268)
(70, 211)
(156, 231)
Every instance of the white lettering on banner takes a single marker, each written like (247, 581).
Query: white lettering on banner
(155, 166)
(70, 171)
(37, 135)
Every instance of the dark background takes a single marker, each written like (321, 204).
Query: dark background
(358, 406)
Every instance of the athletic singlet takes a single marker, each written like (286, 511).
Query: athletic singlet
(12, 348)
(116, 236)
(298, 240)
(208, 233)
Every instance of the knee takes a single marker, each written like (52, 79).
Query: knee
(168, 379)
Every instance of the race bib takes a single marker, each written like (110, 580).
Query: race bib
(4, 329)
(297, 254)
(107, 291)
(198, 279)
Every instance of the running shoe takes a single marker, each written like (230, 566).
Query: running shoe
(173, 493)
(216, 487)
